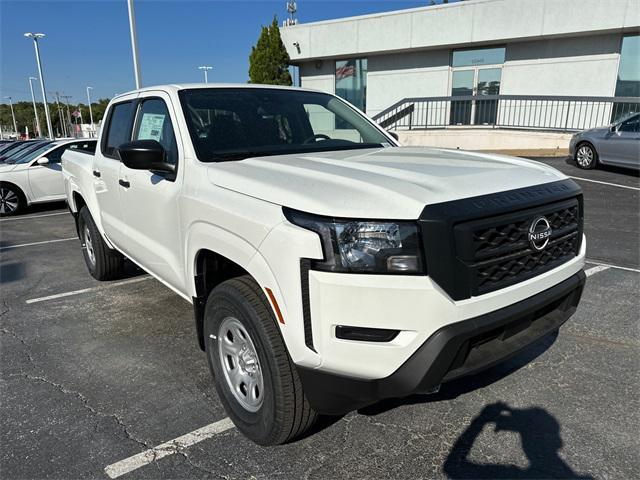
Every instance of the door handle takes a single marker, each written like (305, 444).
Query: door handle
(124, 183)
(96, 173)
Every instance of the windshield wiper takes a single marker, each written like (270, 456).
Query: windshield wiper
(227, 157)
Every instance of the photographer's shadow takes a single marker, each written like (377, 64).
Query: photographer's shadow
(540, 437)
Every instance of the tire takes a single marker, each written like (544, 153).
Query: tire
(12, 200)
(586, 156)
(278, 411)
(103, 262)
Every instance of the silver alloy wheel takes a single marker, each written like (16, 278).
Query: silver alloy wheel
(240, 364)
(584, 156)
(8, 200)
(88, 244)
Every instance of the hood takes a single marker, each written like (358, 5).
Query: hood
(389, 183)
(604, 129)
(8, 167)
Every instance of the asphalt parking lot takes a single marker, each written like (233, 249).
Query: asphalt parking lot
(105, 380)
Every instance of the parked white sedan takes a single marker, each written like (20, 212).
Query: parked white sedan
(36, 177)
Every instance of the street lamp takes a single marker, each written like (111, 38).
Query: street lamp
(35, 37)
(205, 68)
(134, 43)
(35, 109)
(90, 111)
(13, 115)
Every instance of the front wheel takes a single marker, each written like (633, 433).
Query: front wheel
(103, 262)
(12, 200)
(256, 380)
(586, 156)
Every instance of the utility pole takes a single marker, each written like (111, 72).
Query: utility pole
(134, 43)
(90, 111)
(13, 115)
(205, 68)
(35, 109)
(35, 37)
(65, 101)
(60, 114)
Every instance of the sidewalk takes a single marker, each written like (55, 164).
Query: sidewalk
(539, 152)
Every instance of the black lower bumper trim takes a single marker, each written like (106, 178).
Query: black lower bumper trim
(453, 351)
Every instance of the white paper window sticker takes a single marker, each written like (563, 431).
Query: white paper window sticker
(151, 126)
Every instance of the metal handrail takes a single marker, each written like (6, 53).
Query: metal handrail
(541, 112)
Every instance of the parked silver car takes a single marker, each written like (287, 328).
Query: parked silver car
(618, 144)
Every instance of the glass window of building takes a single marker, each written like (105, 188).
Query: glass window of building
(478, 56)
(628, 83)
(351, 81)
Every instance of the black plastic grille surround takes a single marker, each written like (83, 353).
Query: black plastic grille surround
(478, 245)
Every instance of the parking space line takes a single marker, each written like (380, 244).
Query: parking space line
(27, 217)
(9, 247)
(86, 290)
(606, 183)
(628, 269)
(141, 459)
(596, 269)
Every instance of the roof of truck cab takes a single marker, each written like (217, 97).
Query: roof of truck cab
(174, 87)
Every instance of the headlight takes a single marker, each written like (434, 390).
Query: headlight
(364, 246)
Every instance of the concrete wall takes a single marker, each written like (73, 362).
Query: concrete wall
(318, 75)
(458, 24)
(584, 65)
(488, 139)
(413, 74)
(577, 66)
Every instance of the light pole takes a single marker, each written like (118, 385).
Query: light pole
(13, 115)
(35, 109)
(90, 111)
(134, 43)
(35, 37)
(205, 68)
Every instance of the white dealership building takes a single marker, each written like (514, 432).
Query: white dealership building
(538, 49)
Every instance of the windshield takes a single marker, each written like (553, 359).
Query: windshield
(236, 123)
(31, 155)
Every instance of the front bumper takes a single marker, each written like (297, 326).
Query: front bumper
(572, 145)
(453, 351)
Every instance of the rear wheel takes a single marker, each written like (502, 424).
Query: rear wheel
(12, 200)
(586, 156)
(256, 380)
(103, 262)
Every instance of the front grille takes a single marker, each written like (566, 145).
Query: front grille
(529, 263)
(499, 253)
(492, 240)
(478, 245)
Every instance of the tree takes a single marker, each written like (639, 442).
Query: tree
(25, 118)
(269, 60)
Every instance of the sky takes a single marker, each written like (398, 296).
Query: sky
(87, 41)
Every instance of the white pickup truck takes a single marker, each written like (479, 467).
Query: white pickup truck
(328, 267)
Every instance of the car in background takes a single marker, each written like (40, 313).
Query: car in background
(36, 176)
(618, 144)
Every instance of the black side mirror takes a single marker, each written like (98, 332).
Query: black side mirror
(614, 128)
(393, 134)
(145, 155)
